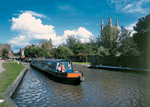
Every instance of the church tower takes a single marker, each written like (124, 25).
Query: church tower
(110, 22)
(102, 24)
(116, 23)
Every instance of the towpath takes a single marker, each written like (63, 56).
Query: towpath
(1, 68)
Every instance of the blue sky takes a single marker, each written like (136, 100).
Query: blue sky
(26, 22)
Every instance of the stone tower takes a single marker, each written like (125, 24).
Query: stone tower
(116, 23)
(102, 24)
(109, 23)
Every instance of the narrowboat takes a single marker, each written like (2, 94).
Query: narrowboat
(60, 69)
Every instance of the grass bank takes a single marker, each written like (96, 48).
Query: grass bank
(9, 60)
(81, 63)
(8, 76)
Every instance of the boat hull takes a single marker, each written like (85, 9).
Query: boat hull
(59, 77)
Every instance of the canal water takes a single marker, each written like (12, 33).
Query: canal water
(101, 88)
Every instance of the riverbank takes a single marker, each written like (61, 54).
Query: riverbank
(85, 63)
(117, 68)
(12, 70)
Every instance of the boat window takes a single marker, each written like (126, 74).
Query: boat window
(69, 65)
(62, 63)
(65, 65)
(49, 64)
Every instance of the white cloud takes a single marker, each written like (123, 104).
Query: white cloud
(30, 28)
(88, 23)
(132, 33)
(65, 7)
(35, 14)
(130, 26)
(81, 33)
(130, 6)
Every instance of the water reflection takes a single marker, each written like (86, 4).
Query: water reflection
(100, 88)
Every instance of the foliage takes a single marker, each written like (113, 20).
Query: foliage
(36, 52)
(91, 39)
(17, 54)
(81, 57)
(127, 45)
(142, 35)
(42, 41)
(62, 52)
(71, 40)
(4, 52)
(45, 42)
(109, 40)
(103, 51)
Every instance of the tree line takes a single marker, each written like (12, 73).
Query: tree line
(112, 42)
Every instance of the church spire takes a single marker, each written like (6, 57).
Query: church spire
(116, 22)
(110, 22)
(102, 24)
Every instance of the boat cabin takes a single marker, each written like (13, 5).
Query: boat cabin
(53, 64)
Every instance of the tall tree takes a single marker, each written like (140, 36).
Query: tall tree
(71, 40)
(91, 39)
(62, 52)
(127, 45)
(109, 40)
(142, 35)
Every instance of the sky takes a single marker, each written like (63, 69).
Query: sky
(28, 21)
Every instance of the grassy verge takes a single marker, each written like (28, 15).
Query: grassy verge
(81, 63)
(9, 60)
(7, 77)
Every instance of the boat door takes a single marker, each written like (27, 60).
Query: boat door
(67, 65)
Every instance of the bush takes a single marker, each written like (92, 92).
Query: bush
(81, 57)
(63, 52)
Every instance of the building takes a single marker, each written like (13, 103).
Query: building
(109, 23)
(36, 45)
(48, 45)
(22, 53)
(114, 28)
(6, 46)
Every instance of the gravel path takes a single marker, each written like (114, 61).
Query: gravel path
(1, 68)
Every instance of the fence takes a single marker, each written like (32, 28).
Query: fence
(140, 62)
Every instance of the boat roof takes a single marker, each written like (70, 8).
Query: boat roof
(52, 60)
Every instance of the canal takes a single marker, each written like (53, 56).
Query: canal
(103, 88)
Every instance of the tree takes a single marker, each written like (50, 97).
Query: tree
(103, 51)
(71, 40)
(81, 57)
(142, 35)
(91, 39)
(45, 42)
(36, 51)
(4, 52)
(42, 41)
(127, 45)
(109, 40)
(63, 52)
